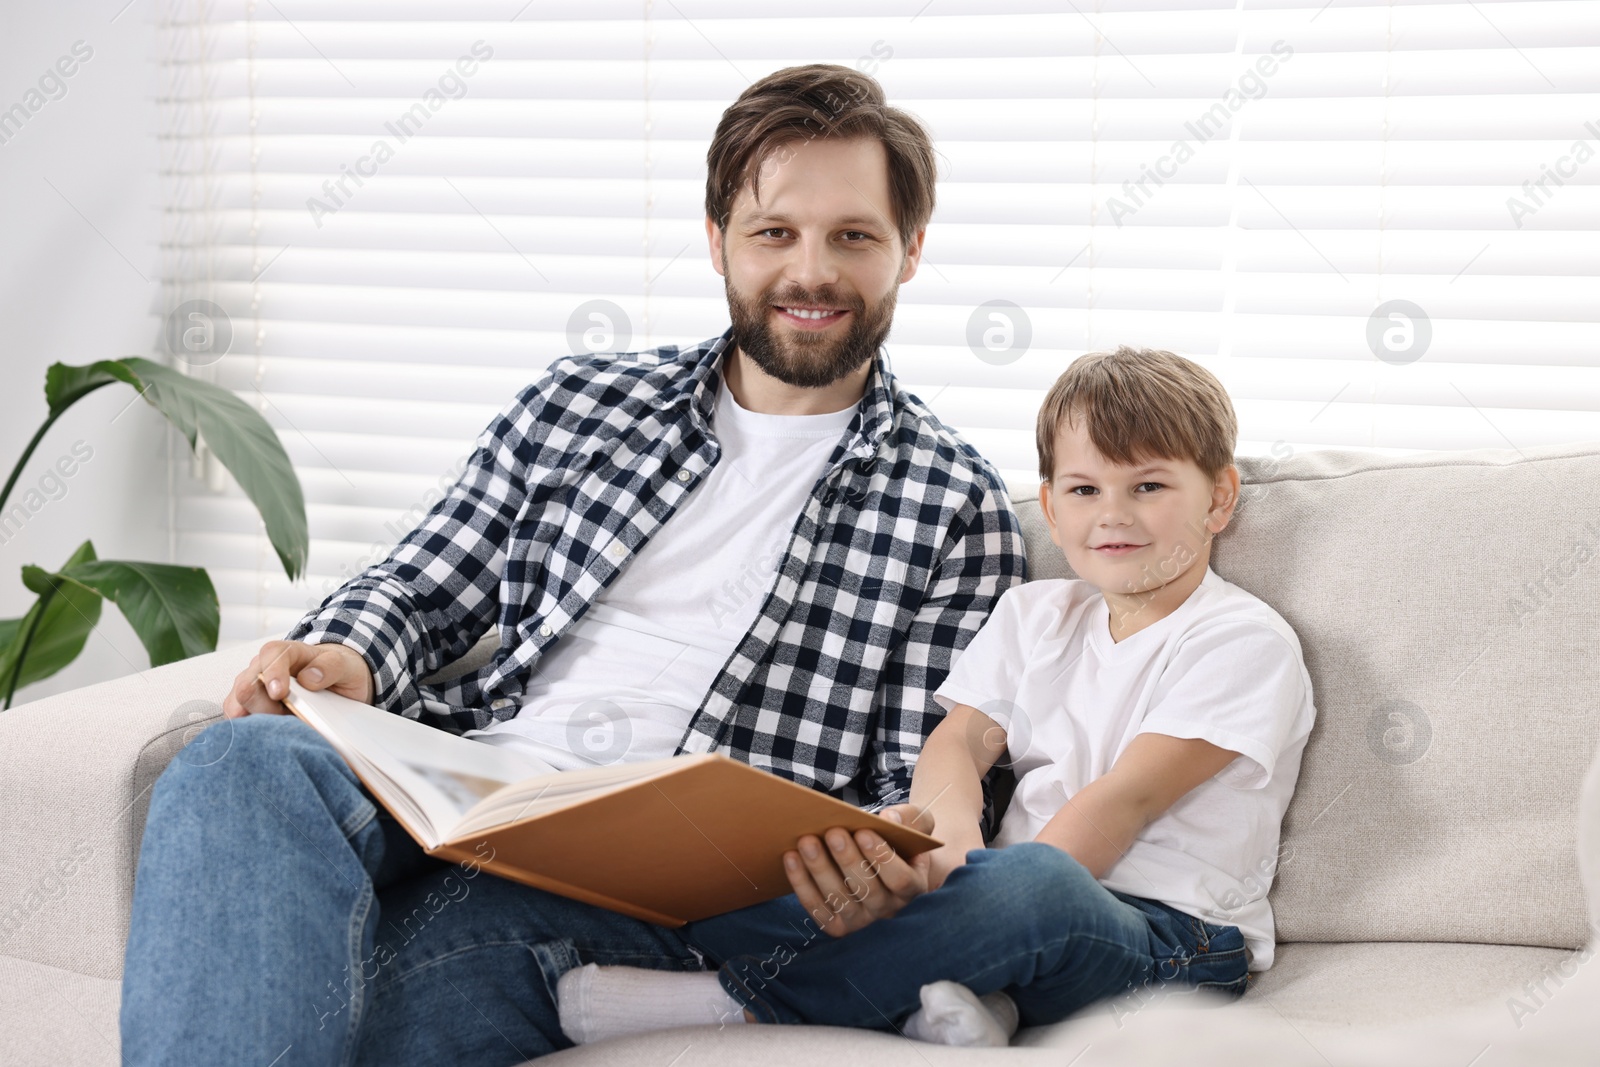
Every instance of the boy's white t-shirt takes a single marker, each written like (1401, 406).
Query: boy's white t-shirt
(1224, 667)
(622, 684)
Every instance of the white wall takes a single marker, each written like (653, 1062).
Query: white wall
(79, 274)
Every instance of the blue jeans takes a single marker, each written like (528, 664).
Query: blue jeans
(1028, 919)
(281, 916)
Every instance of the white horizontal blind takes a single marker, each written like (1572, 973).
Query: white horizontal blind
(1303, 164)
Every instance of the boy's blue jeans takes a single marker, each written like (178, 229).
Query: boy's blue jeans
(281, 917)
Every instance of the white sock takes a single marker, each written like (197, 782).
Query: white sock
(951, 1014)
(597, 1002)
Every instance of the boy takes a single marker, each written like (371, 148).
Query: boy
(1155, 716)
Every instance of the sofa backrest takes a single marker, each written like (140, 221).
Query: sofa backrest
(1448, 605)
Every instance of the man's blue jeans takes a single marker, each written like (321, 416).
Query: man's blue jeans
(281, 917)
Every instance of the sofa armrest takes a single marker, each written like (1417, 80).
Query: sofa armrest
(76, 771)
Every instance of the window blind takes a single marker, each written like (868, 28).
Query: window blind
(1375, 222)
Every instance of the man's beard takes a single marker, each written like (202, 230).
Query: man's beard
(806, 360)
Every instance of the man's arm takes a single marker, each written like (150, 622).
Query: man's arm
(1097, 825)
(983, 556)
(437, 592)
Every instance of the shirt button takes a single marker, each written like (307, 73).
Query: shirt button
(616, 550)
(684, 476)
(544, 630)
(500, 703)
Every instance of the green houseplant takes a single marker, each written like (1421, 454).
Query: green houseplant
(172, 609)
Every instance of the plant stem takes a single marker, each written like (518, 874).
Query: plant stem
(27, 453)
(22, 654)
(5, 494)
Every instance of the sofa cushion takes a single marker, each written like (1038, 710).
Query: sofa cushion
(1446, 606)
(1316, 997)
(1387, 982)
(1378, 1005)
(51, 1015)
(55, 1016)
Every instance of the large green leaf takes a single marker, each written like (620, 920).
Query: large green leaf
(172, 609)
(244, 441)
(68, 618)
(65, 385)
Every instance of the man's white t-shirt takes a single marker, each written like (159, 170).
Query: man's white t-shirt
(1223, 667)
(624, 681)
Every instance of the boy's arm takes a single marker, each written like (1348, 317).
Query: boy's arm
(1098, 824)
(946, 785)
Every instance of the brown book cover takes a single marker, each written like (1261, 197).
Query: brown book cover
(668, 841)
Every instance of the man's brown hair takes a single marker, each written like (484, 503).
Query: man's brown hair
(1141, 404)
(819, 100)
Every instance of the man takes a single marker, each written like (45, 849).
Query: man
(760, 546)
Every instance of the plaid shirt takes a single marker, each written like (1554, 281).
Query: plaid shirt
(904, 545)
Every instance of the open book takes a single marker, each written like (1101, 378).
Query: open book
(667, 840)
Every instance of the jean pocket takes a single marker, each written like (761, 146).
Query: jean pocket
(1221, 941)
(1220, 962)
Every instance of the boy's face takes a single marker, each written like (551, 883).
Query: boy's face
(822, 236)
(1164, 511)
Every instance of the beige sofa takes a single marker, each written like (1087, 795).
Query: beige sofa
(1428, 894)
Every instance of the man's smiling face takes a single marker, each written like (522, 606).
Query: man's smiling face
(812, 269)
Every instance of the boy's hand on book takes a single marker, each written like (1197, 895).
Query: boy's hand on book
(330, 666)
(851, 880)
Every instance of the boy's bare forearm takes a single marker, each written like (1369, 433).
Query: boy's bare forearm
(948, 785)
(1100, 822)
(1096, 825)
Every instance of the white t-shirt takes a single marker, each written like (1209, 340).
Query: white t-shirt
(1223, 667)
(624, 681)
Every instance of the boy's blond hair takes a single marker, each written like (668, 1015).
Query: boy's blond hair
(1141, 404)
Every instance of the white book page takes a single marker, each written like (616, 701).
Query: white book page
(539, 795)
(434, 775)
